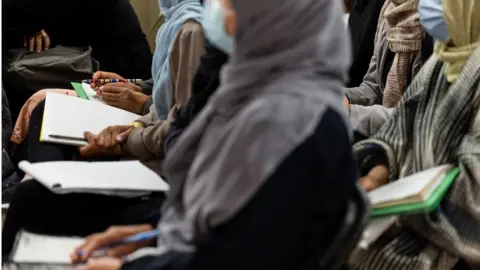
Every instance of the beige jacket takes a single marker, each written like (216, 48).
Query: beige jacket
(146, 143)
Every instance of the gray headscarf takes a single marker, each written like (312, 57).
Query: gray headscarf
(289, 63)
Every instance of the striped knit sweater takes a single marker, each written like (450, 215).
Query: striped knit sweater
(435, 123)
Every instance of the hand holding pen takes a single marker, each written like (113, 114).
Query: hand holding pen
(115, 242)
(101, 78)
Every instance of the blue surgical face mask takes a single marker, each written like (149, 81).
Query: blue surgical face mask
(431, 17)
(214, 26)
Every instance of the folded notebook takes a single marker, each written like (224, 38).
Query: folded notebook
(66, 118)
(420, 192)
(116, 178)
(32, 248)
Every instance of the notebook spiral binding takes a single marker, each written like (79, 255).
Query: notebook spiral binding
(72, 142)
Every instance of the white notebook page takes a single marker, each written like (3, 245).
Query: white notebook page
(88, 90)
(71, 116)
(91, 94)
(114, 175)
(34, 248)
(408, 186)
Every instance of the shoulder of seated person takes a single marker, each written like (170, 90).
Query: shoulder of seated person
(191, 27)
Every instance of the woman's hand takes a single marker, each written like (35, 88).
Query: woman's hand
(113, 136)
(103, 264)
(93, 149)
(123, 97)
(38, 42)
(377, 177)
(99, 75)
(346, 103)
(112, 235)
(103, 75)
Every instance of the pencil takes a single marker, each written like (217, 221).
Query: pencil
(112, 80)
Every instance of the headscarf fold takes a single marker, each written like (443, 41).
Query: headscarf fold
(288, 65)
(405, 35)
(176, 13)
(463, 24)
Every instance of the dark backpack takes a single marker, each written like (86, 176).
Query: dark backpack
(25, 72)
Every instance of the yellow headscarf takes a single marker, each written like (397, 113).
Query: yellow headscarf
(463, 22)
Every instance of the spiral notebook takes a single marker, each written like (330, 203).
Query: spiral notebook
(115, 178)
(66, 118)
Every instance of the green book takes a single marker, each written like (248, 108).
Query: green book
(419, 193)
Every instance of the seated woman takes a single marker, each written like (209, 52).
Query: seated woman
(110, 27)
(437, 122)
(232, 169)
(180, 45)
(401, 47)
(32, 204)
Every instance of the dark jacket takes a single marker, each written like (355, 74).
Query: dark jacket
(362, 22)
(291, 218)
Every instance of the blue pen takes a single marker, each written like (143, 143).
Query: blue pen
(139, 237)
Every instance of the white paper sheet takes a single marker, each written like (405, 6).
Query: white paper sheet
(34, 248)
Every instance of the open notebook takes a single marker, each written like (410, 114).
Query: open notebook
(116, 178)
(34, 249)
(420, 192)
(66, 118)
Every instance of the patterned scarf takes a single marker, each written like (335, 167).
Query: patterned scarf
(435, 123)
(405, 35)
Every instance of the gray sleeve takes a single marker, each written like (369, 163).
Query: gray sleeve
(368, 120)
(369, 92)
(147, 86)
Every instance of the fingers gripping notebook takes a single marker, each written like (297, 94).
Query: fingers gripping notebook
(66, 118)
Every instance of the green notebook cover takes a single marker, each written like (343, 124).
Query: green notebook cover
(422, 207)
(79, 89)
